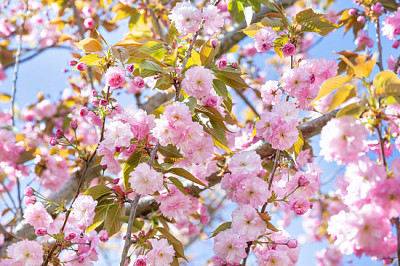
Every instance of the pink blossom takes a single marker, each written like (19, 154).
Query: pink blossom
(186, 18)
(117, 134)
(81, 66)
(362, 38)
(28, 192)
(264, 39)
(198, 82)
(247, 223)
(252, 191)
(83, 210)
(343, 139)
(5, 28)
(213, 21)
(37, 216)
(386, 194)
(88, 23)
(229, 247)
(249, 49)
(329, 257)
(245, 163)
(391, 25)
(94, 119)
(115, 77)
(145, 180)
(29, 200)
(103, 236)
(175, 204)
(162, 252)
(288, 49)
(140, 122)
(270, 257)
(141, 261)
(300, 205)
(270, 92)
(26, 252)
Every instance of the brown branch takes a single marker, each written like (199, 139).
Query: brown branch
(378, 40)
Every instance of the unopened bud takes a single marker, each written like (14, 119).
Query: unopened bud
(214, 43)
(72, 62)
(41, 232)
(73, 124)
(82, 66)
(292, 243)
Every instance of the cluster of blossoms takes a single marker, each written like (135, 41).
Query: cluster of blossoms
(175, 126)
(187, 18)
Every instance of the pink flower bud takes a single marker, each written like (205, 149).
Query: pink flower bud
(89, 23)
(288, 49)
(222, 63)
(116, 181)
(95, 102)
(72, 62)
(94, 93)
(361, 19)
(84, 111)
(104, 167)
(103, 235)
(28, 192)
(352, 12)
(119, 149)
(82, 66)
(138, 82)
(141, 261)
(214, 43)
(103, 102)
(312, 78)
(73, 124)
(377, 8)
(130, 68)
(59, 133)
(40, 231)
(292, 243)
(300, 206)
(234, 65)
(70, 236)
(53, 141)
(303, 181)
(29, 200)
(396, 44)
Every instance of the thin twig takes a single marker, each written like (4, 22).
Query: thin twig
(247, 252)
(240, 93)
(382, 144)
(132, 214)
(277, 154)
(396, 66)
(9, 195)
(397, 224)
(157, 24)
(378, 39)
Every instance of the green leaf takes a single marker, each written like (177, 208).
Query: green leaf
(172, 32)
(331, 84)
(307, 15)
(273, 23)
(135, 17)
(97, 191)
(236, 9)
(185, 174)
(386, 83)
(343, 93)
(112, 224)
(191, 102)
(170, 151)
(221, 228)
(130, 165)
(207, 53)
(321, 26)
(178, 184)
(124, 12)
(155, 49)
(354, 109)
(231, 79)
(391, 99)
(148, 68)
(221, 90)
(178, 247)
(137, 224)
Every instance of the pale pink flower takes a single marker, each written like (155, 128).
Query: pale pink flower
(343, 139)
(247, 223)
(83, 210)
(391, 25)
(264, 39)
(386, 194)
(270, 257)
(329, 257)
(145, 180)
(245, 163)
(186, 17)
(5, 28)
(118, 134)
(198, 82)
(115, 77)
(175, 204)
(161, 254)
(362, 38)
(270, 92)
(213, 21)
(37, 216)
(285, 136)
(229, 246)
(300, 205)
(252, 191)
(26, 252)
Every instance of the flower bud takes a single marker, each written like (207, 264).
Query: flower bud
(292, 243)
(72, 62)
(139, 82)
(82, 66)
(303, 181)
(89, 23)
(73, 124)
(53, 141)
(95, 102)
(59, 133)
(130, 68)
(222, 63)
(40, 231)
(103, 102)
(29, 200)
(361, 19)
(116, 181)
(396, 44)
(28, 192)
(94, 93)
(84, 111)
(312, 78)
(103, 235)
(70, 236)
(214, 43)
(234, 65)
(352, 12)
(377, 8)
(141, 261)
